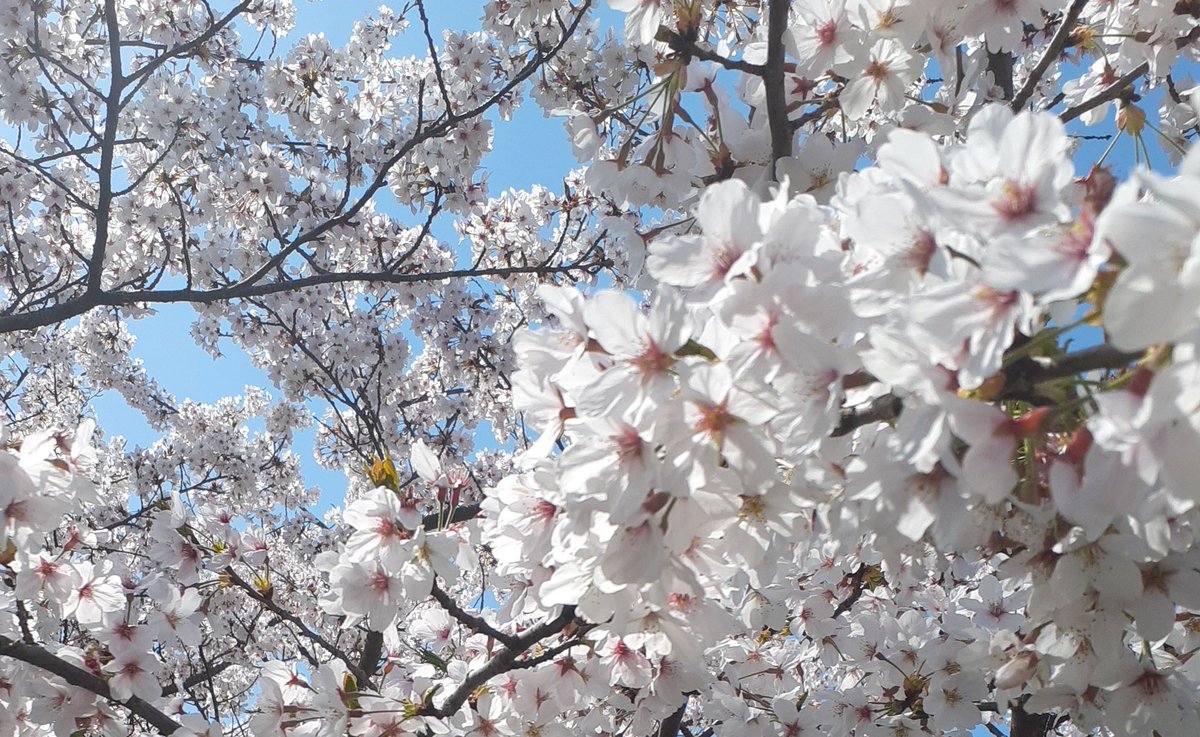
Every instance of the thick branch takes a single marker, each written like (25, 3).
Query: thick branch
(1024, 724)
(503, 661)
(242, 290)
(1057, 44)
(372, 652)
(1022, 382)
(1117, 88)
(478, 624)
(690, 49)
(773, 83)
(112, 117)
(880, 409)
(1019, 383)
(462, 513)
(670, 726)
(39, 657)
(329, 647)
(1000, 64)
(1108, 94)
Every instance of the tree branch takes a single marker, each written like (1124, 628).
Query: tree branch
(670, 726)
(691, 50)
(1020, 382)
(372, 652)
(478, 624)
(773, 82)
(1057, 44)
(39, 657)
(242, 290)
(316, 637)
(1114, 90)
(1108, 94)
(1024, 724)
(197, 678)
(1000, 64)
(503, 661)
(880, 409)
(437, 521)
(112, 117)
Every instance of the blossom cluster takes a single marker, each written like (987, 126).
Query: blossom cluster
(843, 390)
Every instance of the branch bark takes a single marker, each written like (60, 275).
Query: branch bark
(670, 726)
(478, 624)
(1000, 64)
(1024, 724)
(316, 637)
(503, 661)
(1019, 384)
(39, 657)
(1115, 90)
(75, 307)
(1057, 44)
(773, 82)
(692, 50)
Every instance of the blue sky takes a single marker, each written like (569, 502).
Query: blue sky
(530, 149)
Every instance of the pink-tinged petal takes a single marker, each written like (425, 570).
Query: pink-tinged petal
(425, 462)
(616, 322)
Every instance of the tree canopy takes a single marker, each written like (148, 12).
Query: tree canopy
(848, 387)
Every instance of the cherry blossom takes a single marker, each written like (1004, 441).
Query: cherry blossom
(841, 389)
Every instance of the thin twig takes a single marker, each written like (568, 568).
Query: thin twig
(39, 657)
(1057, 44)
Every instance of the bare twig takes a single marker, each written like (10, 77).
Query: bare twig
(504, 660)
(1056, 46)
(773, 83)
(314, 636)
(478, 624)
(39, 657)
(1117, 88)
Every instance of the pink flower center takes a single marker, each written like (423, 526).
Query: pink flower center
(380, 583)
(877, 71)
(827, 34)
(713, 420)
(723, 260)
(652, 360)
(629, 445)
(1017, 201)
(544, 510)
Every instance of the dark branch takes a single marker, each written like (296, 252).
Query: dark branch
(691, 50)
(478, 624)
(773, 82)
(1057, 44)
(504, 660)
(1021, 381)
(879, 409)
(372, 652)
(39, 657)
(1117, 88)
(316, 637)
(1108, 94)
(670, 726)
(463, 513)
(75, 307)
